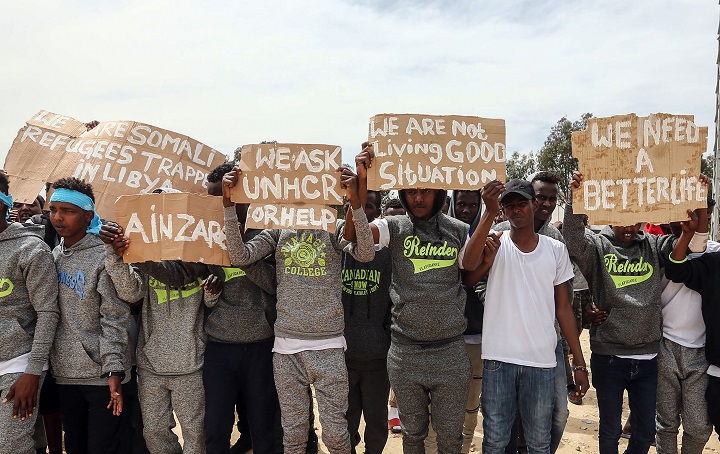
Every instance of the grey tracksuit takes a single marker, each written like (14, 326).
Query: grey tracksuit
(92, 336)
(28, 320)
(171, 343)
(309, 307)
(427, 358)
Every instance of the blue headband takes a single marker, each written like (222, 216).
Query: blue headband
(6, 199)
(80, 200)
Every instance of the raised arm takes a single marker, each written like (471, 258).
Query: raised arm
(579, 245)
(474, 248)
(363, 161)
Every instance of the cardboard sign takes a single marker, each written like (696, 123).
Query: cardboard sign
(116, 157)
(289, 185)
(436, 152)
(639, 169)
(178, 226)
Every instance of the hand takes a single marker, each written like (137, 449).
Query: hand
(596, 316)
(363, 160)
(116, 399)
(229, 181)
(212, 285)
(577, 179)
(492, 245)
(582, 383)
(491, 194)
(690, 226)
(91, 124)
(704, 180)
(109, 231)
(349, 182)
(24, 392)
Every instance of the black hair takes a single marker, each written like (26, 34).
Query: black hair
(40, 199)
(218, 172)
(4, 184)
(547, 177)
(75, 184)
(477, 192)
(394, 203)
(378, 197)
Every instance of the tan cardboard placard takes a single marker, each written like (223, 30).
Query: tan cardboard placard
(639, 169)
(116, 157)
(436, 151)
(289, 185)
(176, 226)
(36, 152)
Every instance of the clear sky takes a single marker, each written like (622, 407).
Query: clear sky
(232, 73)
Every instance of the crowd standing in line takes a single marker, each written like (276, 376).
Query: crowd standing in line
(458, 313)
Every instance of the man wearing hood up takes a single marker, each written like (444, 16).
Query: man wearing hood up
(28, 317)
(427, 355)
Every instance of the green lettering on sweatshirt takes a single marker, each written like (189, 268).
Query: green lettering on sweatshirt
(359, 281)
(6, 287)
(429, 256)
(232, 273)
(163, 295)
(304, 255)
(627, 272)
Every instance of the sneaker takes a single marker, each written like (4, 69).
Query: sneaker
(394, 425)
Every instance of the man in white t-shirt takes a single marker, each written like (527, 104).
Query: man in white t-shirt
(526, 292)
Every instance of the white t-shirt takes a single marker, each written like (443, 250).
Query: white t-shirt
(287, 346)
(682, 310)
(519, 319)
(17, 365)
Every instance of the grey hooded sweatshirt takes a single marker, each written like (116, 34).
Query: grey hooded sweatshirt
(28, 296)
(426, 289)
(171, 339)
(92, 336)
(624, 280)
(308, 265)
(244, 312)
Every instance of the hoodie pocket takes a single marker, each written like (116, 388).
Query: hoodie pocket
(14, 337)
(75, 359)
(427, 322)
(631, 326)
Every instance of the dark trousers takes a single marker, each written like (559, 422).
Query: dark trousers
(368, 390)
(131, 406)
(611, 376)
(712, 396)
(90, 428)
(239, 373)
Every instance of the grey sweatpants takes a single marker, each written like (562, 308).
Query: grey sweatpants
(16, 435)
(419, 373)
(293, 375)
(160, 395)
(681, 394)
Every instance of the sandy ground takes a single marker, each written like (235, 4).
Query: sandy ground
(581, 433)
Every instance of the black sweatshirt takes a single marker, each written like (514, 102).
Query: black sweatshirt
(701, 274)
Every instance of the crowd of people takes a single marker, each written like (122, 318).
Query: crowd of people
(459, 309)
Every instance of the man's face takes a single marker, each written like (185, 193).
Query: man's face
(467, 205)
(546, 197)
(69, 220)
(372, 205)
(625, 234)
(27, 210)
(519, 210)
(420, 202)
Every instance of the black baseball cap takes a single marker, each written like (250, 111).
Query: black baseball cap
(517, 186)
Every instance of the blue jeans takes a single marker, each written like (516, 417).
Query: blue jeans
(507, 387)
(611, 376)
(560, 408)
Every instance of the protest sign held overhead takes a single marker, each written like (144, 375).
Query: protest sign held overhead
(174, 226)
(289, 185)
(639, 169)
(116, 157)
(436, 152)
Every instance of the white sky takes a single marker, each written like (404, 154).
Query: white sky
(231, 73)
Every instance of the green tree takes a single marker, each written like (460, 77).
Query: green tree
(520, 165)
(556, 153)
(707, 165)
